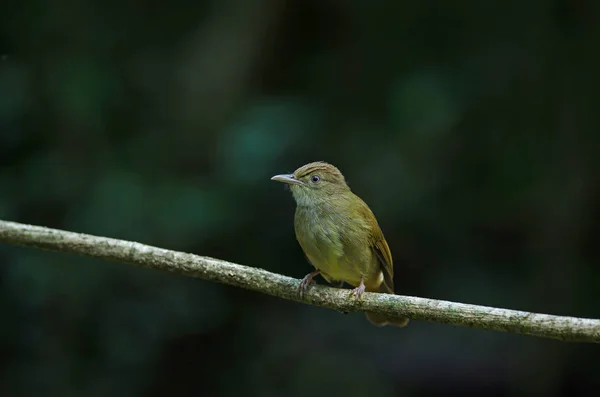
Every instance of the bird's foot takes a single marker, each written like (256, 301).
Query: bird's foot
(358, 291)
(306, 282)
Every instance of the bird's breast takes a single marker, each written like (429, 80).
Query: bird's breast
(318, 234)
(323, 237)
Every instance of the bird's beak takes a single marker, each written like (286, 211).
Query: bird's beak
(287, 178)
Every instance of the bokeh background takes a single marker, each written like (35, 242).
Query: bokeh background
(470, 127)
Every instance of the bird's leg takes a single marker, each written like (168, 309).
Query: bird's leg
(358, 291)
(306, 281)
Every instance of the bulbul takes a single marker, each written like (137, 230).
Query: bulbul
(339, 234)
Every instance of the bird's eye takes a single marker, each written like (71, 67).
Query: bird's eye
(315, 178)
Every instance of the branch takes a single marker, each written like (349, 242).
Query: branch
(517, 322)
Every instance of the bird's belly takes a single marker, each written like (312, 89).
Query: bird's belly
(340, 269)
(336, 259)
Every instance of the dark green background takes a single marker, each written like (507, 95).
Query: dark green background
(470, 127)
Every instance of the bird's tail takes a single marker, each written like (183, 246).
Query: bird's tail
(379, 320)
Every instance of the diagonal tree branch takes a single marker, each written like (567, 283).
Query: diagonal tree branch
(518, 322)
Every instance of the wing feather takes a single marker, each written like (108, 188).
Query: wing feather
(382, 250)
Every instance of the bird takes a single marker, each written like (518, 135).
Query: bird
(340, 235)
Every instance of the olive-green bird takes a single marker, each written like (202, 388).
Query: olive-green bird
(339, 234)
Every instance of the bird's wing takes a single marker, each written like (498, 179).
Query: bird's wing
(382, 250)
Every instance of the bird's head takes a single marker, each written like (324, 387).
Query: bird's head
(314, 182)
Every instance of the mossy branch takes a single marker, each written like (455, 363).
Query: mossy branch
(490, 318)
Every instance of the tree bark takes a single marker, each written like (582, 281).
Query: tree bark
(518, 322)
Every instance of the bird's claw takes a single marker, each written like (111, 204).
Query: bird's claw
(305, 283)
(358, 291)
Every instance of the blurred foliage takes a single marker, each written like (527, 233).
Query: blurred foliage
(469, 127)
